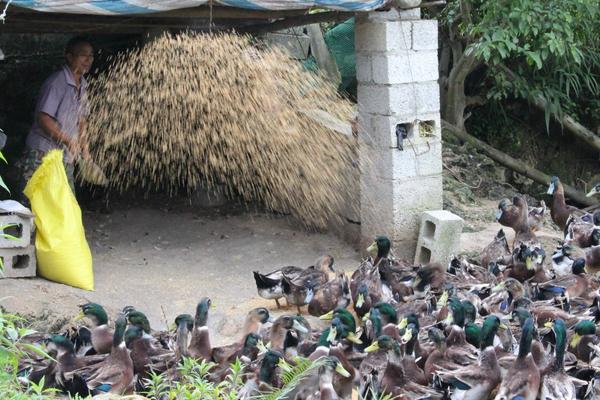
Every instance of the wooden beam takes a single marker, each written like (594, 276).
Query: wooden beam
(307, 19)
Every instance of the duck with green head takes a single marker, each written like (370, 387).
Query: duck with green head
(397, 380)
(523, 378)
(556, 384)
(200, 348)
(115, 374)
(101, 334)
(583, 336)
(477, 380)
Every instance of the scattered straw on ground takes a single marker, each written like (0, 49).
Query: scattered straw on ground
(198, 110)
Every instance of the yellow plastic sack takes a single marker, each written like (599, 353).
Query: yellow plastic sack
(63, 254)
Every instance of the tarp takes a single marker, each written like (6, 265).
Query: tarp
(128, 7)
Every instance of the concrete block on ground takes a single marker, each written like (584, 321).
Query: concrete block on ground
(425, 35)
(405, 66)
(17, 226)
(18, 262)
(439, 237)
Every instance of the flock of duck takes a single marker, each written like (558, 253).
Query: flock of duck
(511, 327)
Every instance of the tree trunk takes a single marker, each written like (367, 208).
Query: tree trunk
(514, 164)
(456, 99)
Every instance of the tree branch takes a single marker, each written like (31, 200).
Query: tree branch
(514, 164)
(565, 120)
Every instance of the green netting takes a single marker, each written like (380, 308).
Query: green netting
(340, 41)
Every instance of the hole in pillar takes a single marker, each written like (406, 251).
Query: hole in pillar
(424, 255)
(429, 230)
(404, 131)
(15, 230)
(20, 261)
(427, 128)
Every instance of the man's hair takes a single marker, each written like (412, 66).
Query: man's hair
(74, 42)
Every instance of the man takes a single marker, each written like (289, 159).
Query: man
(59, 120)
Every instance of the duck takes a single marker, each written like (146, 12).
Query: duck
(394, 380)
(584, 335)
(527, 263)
(115, 374)
(269, 286)
(365, 288)
(574, 285)
(101, 334)
(536, 217)
(477, 380)
(300, 289)
(582, 232)
(522, 381)
(560, 211)
(326, 373)
(591, 256)
(264, 378)
(556, 384)
(497, 249)
(333, 294)
(200, 347)
(67, 361)
(279, 330)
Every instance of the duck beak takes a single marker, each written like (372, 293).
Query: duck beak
(551, 189)
(284, 365)
(299, 327)
(529, 263)
(332, 334)
(309, 296)
(339, 368)
(360, 301)
(372, 248)
(403, 324)
(498, 214)
(328, 316)
(499, 287)
(353, 338)
(373, 347)
(575, 340)
(592, 192)
(443, 299)
(366, 317)
(449, 319)
(549, 324)
(407, 337)
(80, 316)
(503, 326)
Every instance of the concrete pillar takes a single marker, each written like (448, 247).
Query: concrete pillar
(399, 125)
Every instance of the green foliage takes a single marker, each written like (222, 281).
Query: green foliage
(13, 348)
(551, 46)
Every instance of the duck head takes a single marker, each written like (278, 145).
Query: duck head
(95, 312)
(381, 246)
(595, 190)
(138, 318)
(202, 312)
(490, 327)
(554, 182)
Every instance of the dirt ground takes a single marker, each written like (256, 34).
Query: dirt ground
(163, 261)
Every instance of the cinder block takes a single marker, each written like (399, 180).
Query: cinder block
(18, 263)
(428, 97)
(382, 36)
(419, 160)
(381, 131)
(425, 35)
(21, 230)
(364, 70)
(407, 100)
(405, 66)
(439, 237)
(417, 194)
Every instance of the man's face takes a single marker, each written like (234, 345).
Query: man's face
(80, 61)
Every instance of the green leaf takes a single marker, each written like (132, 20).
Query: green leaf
(3, 158)
(3, 185)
